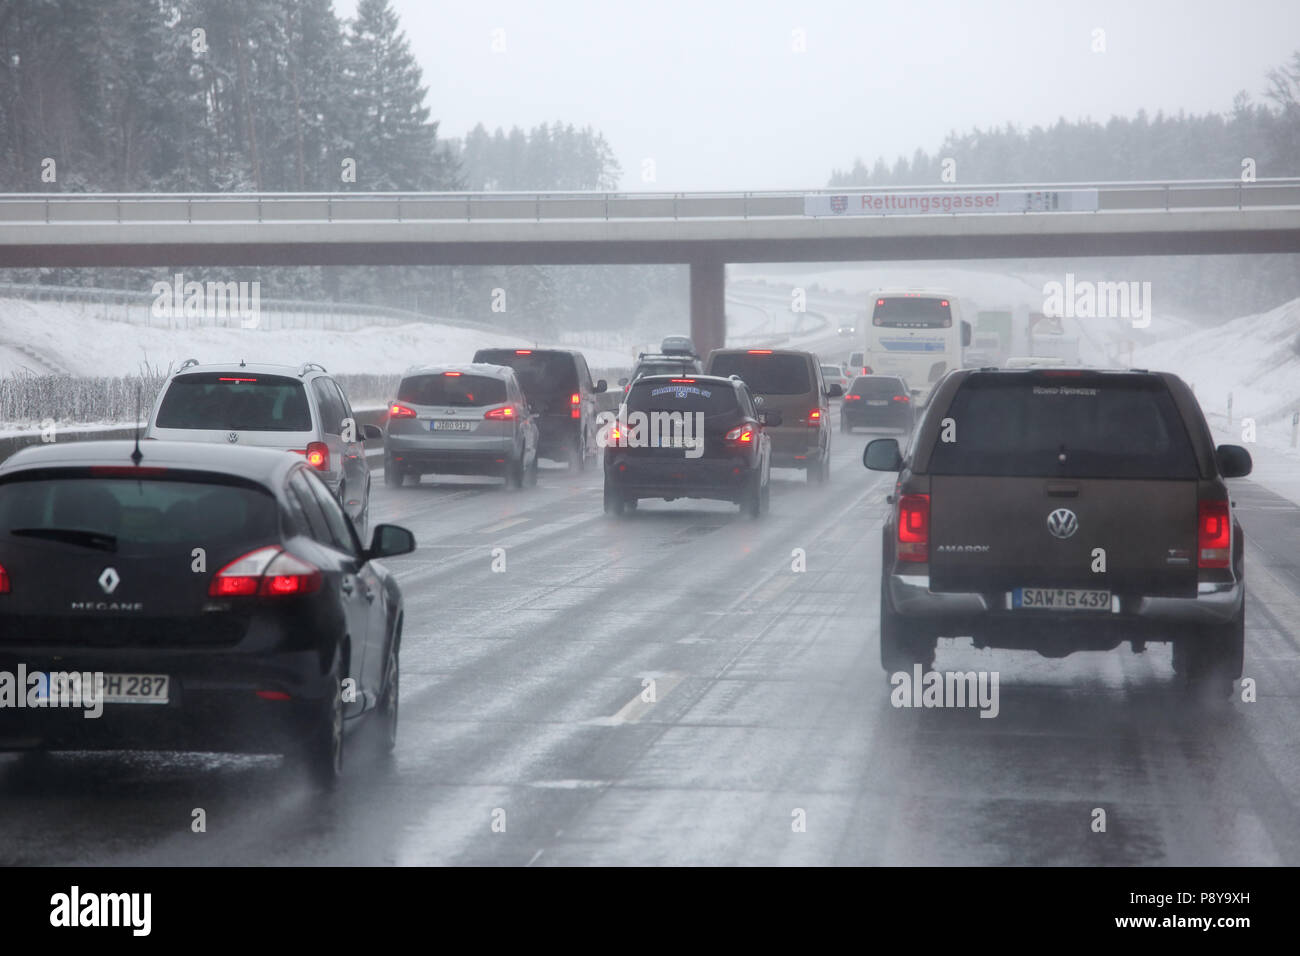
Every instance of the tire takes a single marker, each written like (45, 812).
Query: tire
(845, 427)
(1211, 660)
(752, 503)
(819, 472)
(614, 501)
(394, 474)
(322, 752)
(387, 711)
(515, 473)
(578, 454)
(765, 498)
(530, 474)
(902, 646)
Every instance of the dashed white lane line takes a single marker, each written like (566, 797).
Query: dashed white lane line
(503, 525)
(638, 706)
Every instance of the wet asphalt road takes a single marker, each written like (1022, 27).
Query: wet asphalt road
(525, 739)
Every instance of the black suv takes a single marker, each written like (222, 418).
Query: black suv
(697, 436)
(1060, 510)
(220, 593)
(558, 386)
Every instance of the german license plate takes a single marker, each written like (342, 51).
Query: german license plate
(877, 401)
(136, 688)
(439, 425)
(1060, 599)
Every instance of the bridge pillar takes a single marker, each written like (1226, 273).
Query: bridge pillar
(708, 306)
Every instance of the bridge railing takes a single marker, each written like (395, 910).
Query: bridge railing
(204, 208)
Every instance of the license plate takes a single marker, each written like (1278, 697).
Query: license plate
(877, 401)
(1060, 599)
(438, 425)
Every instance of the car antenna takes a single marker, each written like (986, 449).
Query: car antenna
(137, 454)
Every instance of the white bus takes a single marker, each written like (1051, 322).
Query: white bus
(916, 335)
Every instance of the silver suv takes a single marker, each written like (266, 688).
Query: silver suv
(461, 420)
(300, 410)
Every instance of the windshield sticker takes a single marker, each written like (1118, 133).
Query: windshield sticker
(1064, 390)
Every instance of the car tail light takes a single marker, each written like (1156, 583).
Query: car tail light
(523, 351)
(318, 455)
(268, 571)
(1213, 534)
(236, 380)
(852, 398)
(4, 580)
(684, 381)
(273, 695)
(740, 435)
(575, 400)
(452, 374)
(760, 351)
(400, 411)
(815, 417)
(914, 528)
(504, 413)
(902, 398)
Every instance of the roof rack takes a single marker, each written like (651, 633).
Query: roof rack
(308, 366)
(187, 363)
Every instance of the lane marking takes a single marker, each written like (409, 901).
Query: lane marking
(510, 523)
(636, 708)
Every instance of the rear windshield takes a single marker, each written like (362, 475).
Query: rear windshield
(134, 516)
(831, 371)
(878, 387)
(235, 400)
(1057, 426)
(766, 374)
(542, 375)
(906, 312)
(452, 390)
(706, 397)
(664, 368)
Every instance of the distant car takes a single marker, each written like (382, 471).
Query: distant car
(846, 330)
(558, 385)
(678, 345)
(790, 382)
(649, 363)
(834, 375)
(302, 410)
(1075, 510)
(461, 420)
(731, 463)
(1034, 361)
(857, 365)
(246, 652)
(878, 401)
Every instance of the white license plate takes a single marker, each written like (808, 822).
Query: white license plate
(1060, 599)
(136, 688)
(438, 425)
(877, 401)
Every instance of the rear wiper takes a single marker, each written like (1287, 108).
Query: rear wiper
(87, 539)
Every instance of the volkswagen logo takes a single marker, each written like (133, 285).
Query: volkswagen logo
(232, 437)
(1062, 523)
(108, 580)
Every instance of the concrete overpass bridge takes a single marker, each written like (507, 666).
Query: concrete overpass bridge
(702, 230)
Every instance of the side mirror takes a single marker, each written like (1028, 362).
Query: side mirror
(622, 381)
(882, 455)
(916, 393)
(389, 540)
(834, 391)
(372, 433)
(773, 418)
(601, 385)
(1234, 461)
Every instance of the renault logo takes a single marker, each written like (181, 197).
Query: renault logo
(108, 580)
(1062, 523)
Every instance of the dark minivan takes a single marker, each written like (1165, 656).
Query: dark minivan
(557, 385)
(1060, 510)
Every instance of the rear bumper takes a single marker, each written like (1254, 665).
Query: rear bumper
(465, 455)
(1215, 604)
(861, 417)
(718, 479)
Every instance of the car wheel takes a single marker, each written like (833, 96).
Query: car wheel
(530, 474)
(322, 752)
(614, 501)
(752, 503)
(578, 454)
(765, 497)
(386, 712)
(844, 424)
(393, 473)
(515, 473)
(1211, 660)
(902, 646)
(816, 472)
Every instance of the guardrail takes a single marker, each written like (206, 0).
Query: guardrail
(204, 208)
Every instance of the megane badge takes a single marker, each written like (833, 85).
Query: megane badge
(108, 580)
(1062, 523)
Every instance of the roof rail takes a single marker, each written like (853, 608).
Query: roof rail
(308, 366)
(187, 363)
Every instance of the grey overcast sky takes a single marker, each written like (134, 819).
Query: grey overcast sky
(715, 94)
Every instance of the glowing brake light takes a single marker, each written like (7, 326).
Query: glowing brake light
(318, 455)
(400, 411)
(4, 580)
(852, 398)
(684, 381)
(504, 413)
(760, 351)
(452, 374)
(914, 528)
(742, 434)
(269, 571)
(523, 351)
(815, 417)
(902, 398)
(1213, 534)
(576, 401)
(236, 380)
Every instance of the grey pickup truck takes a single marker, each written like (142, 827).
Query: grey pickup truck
(1059, 510)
